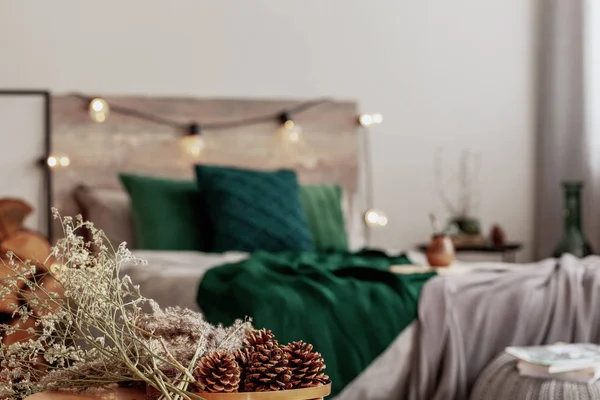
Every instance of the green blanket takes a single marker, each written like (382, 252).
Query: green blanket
(346, 304)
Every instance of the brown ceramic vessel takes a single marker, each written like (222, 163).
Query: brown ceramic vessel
(440, 252)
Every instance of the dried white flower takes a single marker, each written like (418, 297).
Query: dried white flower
(86, 327)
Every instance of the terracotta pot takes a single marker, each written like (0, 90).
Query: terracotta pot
(316, 393)
(440, 252)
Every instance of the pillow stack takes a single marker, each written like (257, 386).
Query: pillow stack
(234, 209)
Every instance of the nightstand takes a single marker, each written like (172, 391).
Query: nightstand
(508, 252)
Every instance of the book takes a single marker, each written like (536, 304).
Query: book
(585, 375)
(560, 357)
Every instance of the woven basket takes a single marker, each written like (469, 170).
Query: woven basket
(501, 381)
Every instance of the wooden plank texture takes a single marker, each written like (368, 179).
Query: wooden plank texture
(99, 151)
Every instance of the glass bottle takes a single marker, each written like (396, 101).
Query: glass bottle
(573, 239)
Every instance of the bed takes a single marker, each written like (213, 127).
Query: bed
(101, 153)
(434, 358)
(172, 279)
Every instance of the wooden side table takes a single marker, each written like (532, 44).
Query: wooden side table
(508, 251)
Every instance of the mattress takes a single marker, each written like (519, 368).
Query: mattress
(171, 278)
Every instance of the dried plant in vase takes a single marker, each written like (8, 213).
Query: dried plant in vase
(84, 326)
(463, 226)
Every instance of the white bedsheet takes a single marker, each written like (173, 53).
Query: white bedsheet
(172, 277)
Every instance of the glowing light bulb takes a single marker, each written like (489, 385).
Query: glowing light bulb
(370, 119)
(375, 218)
(55, 161)
(290, 132)
(99, 110)
(64, 161)
(193, 145)
(52, 161)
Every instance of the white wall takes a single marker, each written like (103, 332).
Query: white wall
(442, 72)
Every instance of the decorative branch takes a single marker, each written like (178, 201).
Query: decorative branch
(89, 327)
(469, 166)
(440, 182)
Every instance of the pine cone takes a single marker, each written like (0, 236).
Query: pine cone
(306, 366)
(268, 369)
(242, 357)
(253, 338)
(218, 372)
(260, 336)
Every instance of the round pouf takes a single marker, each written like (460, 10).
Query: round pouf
(501, 381)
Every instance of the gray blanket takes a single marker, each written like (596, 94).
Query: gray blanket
(467, 320)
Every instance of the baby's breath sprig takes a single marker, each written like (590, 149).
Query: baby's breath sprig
(86, 325)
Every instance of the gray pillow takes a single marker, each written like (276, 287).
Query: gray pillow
(109, 210)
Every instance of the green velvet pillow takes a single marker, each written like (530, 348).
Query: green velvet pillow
(322, 205)
(165, 212)
(253, 210)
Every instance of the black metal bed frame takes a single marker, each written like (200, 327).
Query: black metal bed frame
(45, 95)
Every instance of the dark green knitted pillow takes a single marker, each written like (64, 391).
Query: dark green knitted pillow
(253, 210)
(322, 205)
(165, 213)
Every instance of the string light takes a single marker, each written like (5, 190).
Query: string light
(58, 161)
(99, 109)
(289, 130)
(370, 119)
(289, 133)
(193, 143)
(375, 218)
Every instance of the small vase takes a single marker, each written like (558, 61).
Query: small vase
(440, 252)
(573, 239)
(497, 236)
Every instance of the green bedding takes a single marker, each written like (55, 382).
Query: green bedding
(346, 304)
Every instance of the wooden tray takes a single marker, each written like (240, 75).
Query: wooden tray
(316, 393)
(115, 394)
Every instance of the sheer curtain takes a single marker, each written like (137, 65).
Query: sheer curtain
(592, 114)
(567, 147)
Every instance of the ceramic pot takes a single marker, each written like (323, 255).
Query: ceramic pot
(497, 236)
(440, 252)
(315, 393)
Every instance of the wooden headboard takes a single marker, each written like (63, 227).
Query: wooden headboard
(99, 151)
